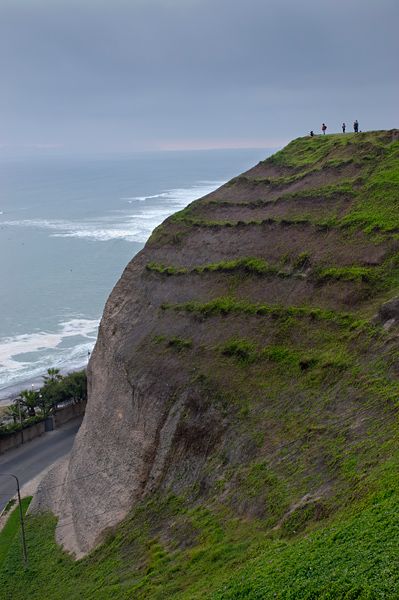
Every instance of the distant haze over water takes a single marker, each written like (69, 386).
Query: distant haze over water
(68, 227)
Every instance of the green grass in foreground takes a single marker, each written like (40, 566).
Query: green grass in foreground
(353, 555)
(11, 529)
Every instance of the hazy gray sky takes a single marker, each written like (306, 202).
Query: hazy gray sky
(121, 75)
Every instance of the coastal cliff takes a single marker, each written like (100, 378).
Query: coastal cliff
(243, 362)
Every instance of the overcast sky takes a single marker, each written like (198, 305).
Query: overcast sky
(122, 75)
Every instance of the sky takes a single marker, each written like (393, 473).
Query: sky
(129, 75)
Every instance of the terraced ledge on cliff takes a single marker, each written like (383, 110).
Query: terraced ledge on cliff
(243, 395)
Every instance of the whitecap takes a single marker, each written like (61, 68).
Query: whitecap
(44, 350)
(139, 198)
(129, 226)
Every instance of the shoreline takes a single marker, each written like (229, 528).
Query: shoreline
(9, 394)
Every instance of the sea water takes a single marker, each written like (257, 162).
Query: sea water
(68, 227)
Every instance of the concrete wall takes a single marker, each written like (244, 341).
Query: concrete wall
(13, 440)
(63, 415)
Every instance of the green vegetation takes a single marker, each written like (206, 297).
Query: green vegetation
(354, 273)
(165, 270)
(250, 264)
(302, 260)
(33, 406)
(180, 547)
(207, 555)
(259, 266)
(376, 208)
(192, 221)
(282, 480)
(373, 186)
(344, 190)
(179, 344)
(376, 278)
(295, 174)
(246, 351)
(10, 530)
(175, 343)
(377, 205)
(243, 350)
(329, 150)
(227, 305)
(353, 557)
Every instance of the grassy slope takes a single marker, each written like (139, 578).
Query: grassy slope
(352, 556)
(312, 392)
(10, 530)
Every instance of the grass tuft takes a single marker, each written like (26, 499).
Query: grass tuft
(226, 305)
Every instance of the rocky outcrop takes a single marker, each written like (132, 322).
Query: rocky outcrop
(388, 313)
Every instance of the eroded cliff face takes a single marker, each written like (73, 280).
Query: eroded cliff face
(144, 419)
(230, 342)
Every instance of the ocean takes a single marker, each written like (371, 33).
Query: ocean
(68, 227)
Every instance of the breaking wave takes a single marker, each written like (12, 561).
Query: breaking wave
(27, 356)
(133, 224)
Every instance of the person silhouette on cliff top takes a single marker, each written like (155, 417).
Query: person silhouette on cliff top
(324, 128)
(356, 126)
(343, 127)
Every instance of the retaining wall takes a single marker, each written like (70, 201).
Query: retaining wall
(15, 439)
(63, 415)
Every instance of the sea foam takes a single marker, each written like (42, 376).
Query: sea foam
(132, 225)
(29, 355)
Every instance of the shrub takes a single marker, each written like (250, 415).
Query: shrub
(179, 344)
(243, 350)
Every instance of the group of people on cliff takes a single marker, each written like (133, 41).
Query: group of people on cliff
(324, 128)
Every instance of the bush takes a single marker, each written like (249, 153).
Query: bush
(13, 427)
(180, 343)
(243, 350)
(55, 390)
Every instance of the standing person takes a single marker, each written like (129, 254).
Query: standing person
(311, 133)
(323, 128)
(356, 126)
(343, 127)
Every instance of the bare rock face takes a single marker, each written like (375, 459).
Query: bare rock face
(389, 312)
(132, 432)
(166, 408)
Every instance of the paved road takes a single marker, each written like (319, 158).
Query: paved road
(32, 458)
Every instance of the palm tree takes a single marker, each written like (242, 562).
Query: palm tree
(28, 399)
(52, 376)
(14, 411)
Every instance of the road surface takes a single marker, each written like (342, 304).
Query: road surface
(34, 457)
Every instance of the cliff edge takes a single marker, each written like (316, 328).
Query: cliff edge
(243, 360)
